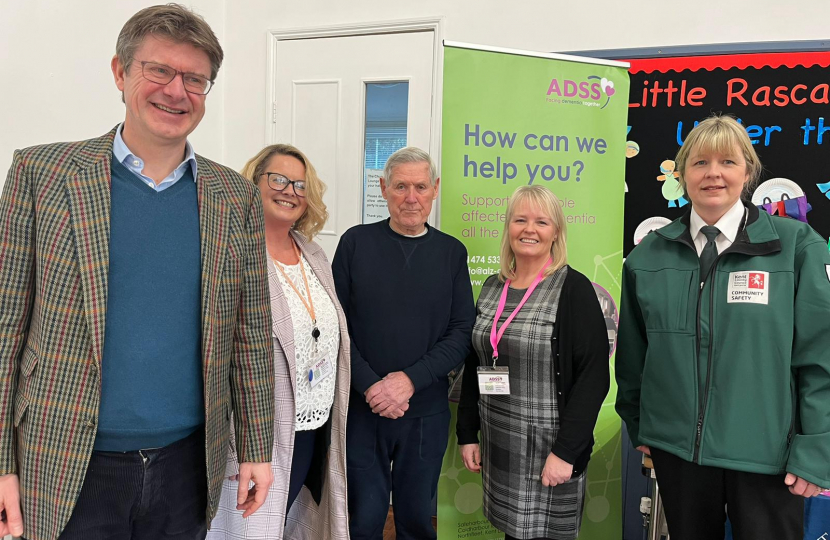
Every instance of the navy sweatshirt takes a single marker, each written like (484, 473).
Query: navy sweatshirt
(409, 306)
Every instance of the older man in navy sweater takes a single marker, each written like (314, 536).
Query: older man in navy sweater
(406, 292)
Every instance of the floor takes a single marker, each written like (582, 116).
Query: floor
(388, 529)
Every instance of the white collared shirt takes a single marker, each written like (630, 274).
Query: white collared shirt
(136, 165)
(727, 225)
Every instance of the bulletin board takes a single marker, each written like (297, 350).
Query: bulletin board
(780, 93)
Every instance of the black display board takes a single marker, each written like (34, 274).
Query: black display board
(782, 97)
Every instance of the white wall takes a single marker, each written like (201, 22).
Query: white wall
(55, 54)
(56, 80)
(542, 25)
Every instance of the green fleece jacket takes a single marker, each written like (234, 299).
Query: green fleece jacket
(733, 372)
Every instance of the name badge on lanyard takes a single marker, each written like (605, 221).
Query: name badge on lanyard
(323, 367)
(496, 379)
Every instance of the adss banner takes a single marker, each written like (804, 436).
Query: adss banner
(512, 120)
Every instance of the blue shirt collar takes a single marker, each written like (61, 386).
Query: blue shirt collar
(124, 156)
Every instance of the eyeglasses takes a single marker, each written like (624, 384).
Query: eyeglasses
(161, 74)
(278, 182)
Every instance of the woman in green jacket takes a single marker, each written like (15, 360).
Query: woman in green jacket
(723, 358)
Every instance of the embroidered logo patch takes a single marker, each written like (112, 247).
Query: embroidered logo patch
(827, 269)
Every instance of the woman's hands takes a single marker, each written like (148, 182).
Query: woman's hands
(471, 456)
(556, 471)
(799, 486)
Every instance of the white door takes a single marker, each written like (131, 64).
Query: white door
(324, 88)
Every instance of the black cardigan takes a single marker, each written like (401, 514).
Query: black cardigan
(580, 344)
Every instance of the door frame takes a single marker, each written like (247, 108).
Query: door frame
(434, 24)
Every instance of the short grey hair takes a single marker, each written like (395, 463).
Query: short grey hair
(410, 154)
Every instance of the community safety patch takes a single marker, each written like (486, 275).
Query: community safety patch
(750, 287)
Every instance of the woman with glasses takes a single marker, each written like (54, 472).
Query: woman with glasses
(311, 364)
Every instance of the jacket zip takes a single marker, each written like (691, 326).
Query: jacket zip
(705, 393)
(734, 248)
(792, 419)
(701, 416)
(699, 426)
(741, 245)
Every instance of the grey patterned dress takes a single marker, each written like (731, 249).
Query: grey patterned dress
(518, 430)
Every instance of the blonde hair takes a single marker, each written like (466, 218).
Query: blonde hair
(720, 134)
(543, 199)
(315, 215)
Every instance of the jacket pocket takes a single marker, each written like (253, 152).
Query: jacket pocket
(666, 298)
(668, 395)
(792, 428)
(21, 404)
(28, 362)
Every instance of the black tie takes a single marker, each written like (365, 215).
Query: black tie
(710, 250)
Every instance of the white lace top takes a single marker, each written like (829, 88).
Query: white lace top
(312, 404)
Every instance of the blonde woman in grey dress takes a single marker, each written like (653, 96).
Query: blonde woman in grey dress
(551, 346)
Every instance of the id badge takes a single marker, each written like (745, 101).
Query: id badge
(323, 367)
(749, 287)
(494, 380)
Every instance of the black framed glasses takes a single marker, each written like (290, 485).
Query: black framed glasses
(278, 182)
(161, 74)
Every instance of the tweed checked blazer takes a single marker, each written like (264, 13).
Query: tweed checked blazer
(307, 520)
(54, 262)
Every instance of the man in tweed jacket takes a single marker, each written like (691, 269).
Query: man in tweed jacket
(134, 315)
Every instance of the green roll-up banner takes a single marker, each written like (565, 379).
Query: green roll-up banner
(510, 119)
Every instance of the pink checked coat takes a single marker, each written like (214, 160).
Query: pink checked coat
(329, 521)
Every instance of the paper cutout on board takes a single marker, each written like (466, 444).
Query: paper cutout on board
(648, 225)
(631, 150)
(782, 197)
(672, 191)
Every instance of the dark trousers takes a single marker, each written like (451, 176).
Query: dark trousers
(414, 449)
(158, 494)
(698, 498)
(300, 463)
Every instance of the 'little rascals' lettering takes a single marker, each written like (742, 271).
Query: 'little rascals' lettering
(669, 94)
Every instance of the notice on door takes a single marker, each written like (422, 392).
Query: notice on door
(374, 205)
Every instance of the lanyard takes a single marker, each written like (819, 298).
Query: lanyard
(495, 333)
(309, 306)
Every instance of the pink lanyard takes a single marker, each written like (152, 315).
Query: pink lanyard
(495, 333)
